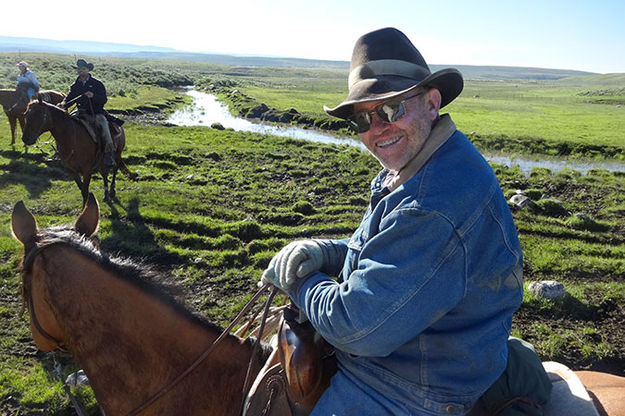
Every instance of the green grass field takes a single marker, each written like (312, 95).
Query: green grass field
(211, 207)
(546, 109)
(587, 110)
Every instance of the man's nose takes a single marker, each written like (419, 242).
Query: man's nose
(377, 123)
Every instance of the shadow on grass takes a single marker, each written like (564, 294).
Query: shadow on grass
(132, 237)
(28, 170)
(567, 307)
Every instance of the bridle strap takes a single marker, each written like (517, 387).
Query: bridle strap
(27, 263)
(33, 317)
(205, 354)
(45, 119)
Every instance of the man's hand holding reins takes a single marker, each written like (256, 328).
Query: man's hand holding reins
(296, 260)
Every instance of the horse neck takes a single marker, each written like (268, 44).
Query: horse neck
(62, 127)
(7, 97)
(131, 344)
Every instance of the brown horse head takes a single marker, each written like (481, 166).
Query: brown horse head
(47, 332)
(37, 120)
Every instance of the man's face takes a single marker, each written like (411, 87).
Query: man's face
(82, 72)
(395, 144)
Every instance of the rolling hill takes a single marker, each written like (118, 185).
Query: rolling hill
(15, 44)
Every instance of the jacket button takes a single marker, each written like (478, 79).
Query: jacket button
(450, 408)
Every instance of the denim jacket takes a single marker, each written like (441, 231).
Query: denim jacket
(423, 306)
(28, 77)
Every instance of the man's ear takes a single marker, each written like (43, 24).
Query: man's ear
(433, 101)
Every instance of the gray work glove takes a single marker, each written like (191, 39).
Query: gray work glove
(296, 260)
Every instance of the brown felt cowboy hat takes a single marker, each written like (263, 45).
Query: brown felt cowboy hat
(81, 63)
(386, 64)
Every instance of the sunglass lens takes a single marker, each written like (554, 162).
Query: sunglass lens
(361, 121)
(388, 112)
(391, 112)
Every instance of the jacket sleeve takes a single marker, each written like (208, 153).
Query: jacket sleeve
(99, 93)
(33, 80)
(408, 276)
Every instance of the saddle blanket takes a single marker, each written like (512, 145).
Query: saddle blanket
(569, 396)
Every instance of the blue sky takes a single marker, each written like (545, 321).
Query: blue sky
(581, 35)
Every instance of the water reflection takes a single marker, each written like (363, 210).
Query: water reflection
(206, 110)
(526, 165)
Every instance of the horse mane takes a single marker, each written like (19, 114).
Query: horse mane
(36, 101)
(139, 274)
(52, 107)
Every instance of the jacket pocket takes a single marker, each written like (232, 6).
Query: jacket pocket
(358, 239)
(354, 247)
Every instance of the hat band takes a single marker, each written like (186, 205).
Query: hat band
(394, 67)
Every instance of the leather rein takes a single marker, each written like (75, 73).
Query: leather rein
(27, 264)
(211, 347)
(44, 121)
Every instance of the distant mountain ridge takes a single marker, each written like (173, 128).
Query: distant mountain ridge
(15, 44)
(473, 72)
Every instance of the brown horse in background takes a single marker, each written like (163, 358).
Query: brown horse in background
(79, 151)
(132, 339)
(9, 97)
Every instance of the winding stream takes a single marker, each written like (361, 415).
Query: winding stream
(206, 110)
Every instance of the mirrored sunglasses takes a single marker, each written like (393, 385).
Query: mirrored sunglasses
(388, 111)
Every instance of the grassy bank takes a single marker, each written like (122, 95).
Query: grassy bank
(554, 111)
(211, 208)
(566, 113)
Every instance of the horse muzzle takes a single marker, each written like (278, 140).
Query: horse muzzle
(29, 138)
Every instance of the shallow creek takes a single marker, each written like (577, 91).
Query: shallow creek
(206, 110)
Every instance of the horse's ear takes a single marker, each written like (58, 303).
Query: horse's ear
(23, 224)
(39, 97)
(87, 222)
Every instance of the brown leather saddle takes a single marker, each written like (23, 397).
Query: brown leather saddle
(296, 374)
(88, 122)
(301, 366)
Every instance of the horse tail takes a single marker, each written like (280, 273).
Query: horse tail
(124, 168)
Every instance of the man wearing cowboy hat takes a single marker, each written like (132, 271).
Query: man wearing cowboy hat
(422, 306)
(90, 95)
(27, 86)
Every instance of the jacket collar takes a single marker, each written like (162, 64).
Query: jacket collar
(442, 131)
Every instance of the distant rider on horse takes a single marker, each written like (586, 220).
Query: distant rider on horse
(90, 96)
(27, 86)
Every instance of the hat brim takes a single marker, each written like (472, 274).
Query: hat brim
(88, 67)
(448, 81)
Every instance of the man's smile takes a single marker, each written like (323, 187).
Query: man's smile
(388, 142)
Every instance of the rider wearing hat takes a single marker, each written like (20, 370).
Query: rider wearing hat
(27, 85)
(418, 302)
(90, 96)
